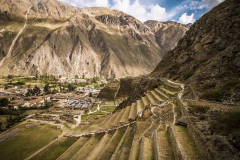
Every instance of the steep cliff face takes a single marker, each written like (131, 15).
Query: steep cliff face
(58, 39)
(167, 33)
(207, 58)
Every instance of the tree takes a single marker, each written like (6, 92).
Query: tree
(76, 76)
(36, 90)
(4, 102)
(46, 89)
(10, 76)
(90, 94)
(71, 87)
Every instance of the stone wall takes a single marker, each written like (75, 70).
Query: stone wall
(141, 148)
(156, 146)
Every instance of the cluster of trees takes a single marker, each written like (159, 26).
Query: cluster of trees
(33, 92)
(4, 102)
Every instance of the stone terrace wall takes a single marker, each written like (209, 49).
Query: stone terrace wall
(156, 146)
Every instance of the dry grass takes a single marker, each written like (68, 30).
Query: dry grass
(148, 149)
(142, 126)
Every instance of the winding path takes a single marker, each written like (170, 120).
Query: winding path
(15, 39)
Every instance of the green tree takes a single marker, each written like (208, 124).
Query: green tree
(76, 76)
(36, 90)
(46, 89)
(4, 102)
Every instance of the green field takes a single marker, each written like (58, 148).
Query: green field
(108, 108)
(55, 150)
(27, 142)
(83, 117)
(98, 113)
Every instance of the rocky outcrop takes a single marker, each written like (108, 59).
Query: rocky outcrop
(207, 57)
(167, 33)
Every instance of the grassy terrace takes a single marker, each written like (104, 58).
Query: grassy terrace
(133, 111)
(139, 105)
(126, 148)
(112, 146)
(110, 120)
(83, 152)
(81, 128)
(169, 92)
(125, 115)
(74, 148)
(135, 150)
(41, 136)
(116, 121)
(99, 147)
(188, 146)
(165, 146)
(148, 149)
(55, 150)
(117, 151)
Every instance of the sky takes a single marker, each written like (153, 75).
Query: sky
(182, 11)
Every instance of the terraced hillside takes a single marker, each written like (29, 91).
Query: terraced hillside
(143, 130)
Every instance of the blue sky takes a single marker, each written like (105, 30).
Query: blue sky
(182, 11)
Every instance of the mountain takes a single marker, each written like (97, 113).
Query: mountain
(59, 39)
(207, 58)
(51, 37)
(168, 33)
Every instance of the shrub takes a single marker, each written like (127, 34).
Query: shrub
(230, 84)
(215, 95)
(202, 117)
(208, 85)
(198, 109)
(187, 75)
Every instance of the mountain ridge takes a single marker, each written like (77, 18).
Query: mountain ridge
(207, 57)
(63, 40)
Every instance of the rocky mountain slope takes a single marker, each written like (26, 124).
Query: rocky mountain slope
(51, 37)
(168, 33)
(63, 40)
(207, 58)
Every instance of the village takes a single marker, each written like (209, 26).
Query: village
(49, 99)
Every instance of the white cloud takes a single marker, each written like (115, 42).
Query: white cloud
(185, 19)
(141, 12)
(88, 3)
(209, 4)
(145, 10)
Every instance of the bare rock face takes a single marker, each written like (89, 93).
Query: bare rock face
(167, 33)
(59, 39)
(207, 58)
